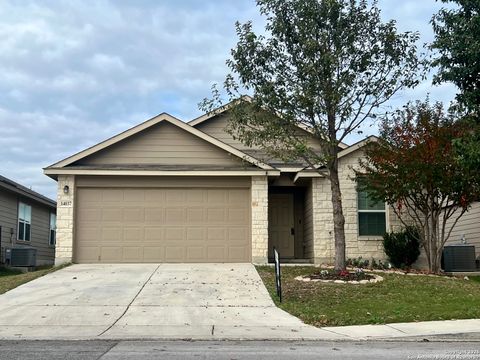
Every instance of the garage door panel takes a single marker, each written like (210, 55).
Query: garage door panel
(155, 196)
(112, 195)
(174, 233)
(86, 231)
(155, 215)
(111, 234)
(216, 253)
(154, 234)
(175, 216)
(237, 253)
(215, 197)
(134, 195)
(173, 196)
(195, 253)
(237, 216)
(133, 215)
(196, 234)
(195, 196)
(175, 253)
(162, 225)
(238, 198)
(218, 233)
(153, 254)
(195, 215)
(132, 254)
(113, 214)
(88, 214)
(216, 215)
(88, 253)
(236, 234)
(110, 253)
(91, 196)
(133, 234)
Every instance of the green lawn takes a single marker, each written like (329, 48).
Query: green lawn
(399, 298)
(10, 279)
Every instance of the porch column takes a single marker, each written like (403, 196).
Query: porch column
(65, 215)
(322, 222)
(259, 196)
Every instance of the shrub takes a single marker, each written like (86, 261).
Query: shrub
(358, 262)
(402, 248)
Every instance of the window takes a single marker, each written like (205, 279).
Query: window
(24, 221)
(53, 229)
(371, 215)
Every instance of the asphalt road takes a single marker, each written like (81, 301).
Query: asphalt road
(145, 350)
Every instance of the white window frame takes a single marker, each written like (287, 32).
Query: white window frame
(384, 211)
(24, 222)
(52, 216)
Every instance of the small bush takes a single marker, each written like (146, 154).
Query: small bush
(358, 262)
(402, 248)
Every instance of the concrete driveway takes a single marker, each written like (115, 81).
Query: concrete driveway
(149, 301)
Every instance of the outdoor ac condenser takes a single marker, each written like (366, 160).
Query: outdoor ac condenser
(459, 257)
(21, 256)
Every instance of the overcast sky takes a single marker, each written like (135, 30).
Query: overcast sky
(73, 73)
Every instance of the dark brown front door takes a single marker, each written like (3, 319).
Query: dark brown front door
(281, 225)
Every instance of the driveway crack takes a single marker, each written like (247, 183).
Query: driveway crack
(131, 302)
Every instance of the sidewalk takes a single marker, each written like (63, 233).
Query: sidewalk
(398, 331)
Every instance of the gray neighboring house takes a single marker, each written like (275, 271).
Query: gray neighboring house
(468, 228)
(27, 218)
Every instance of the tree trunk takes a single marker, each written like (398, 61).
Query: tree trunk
(338, 217)
(432, 242)
(338, 222)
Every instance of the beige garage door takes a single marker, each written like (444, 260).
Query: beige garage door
(119, 225)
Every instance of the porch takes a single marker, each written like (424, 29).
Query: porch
(290, 219)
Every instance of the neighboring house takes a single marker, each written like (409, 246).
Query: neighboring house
(170, 191)
(27, 219)
(467, 228)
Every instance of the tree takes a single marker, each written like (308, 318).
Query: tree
(457, 41)
(326, 66)
(415, 168)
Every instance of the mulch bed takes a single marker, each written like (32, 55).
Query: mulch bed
(345, 276)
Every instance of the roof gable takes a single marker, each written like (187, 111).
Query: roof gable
(203, 119)
(163, 144)
(97, 154)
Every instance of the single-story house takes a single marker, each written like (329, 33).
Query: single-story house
(27, 219)
(173, 191)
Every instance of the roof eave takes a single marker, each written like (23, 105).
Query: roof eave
(40, 199)
(54, 172)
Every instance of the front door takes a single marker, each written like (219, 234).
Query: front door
(281, 225)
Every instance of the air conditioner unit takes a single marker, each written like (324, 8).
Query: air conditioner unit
(459, 258)
(21, 256)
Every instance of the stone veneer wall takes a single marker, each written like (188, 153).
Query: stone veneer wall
(356, 246)
(308, 224)
(259, 196)
(65, 214)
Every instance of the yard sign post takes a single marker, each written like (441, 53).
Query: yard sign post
(278, 279)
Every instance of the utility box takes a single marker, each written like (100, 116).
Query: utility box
(21, 256)
(459, 258)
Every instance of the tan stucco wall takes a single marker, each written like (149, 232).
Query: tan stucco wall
(259, 194)
(356, 246)
(65, 214)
